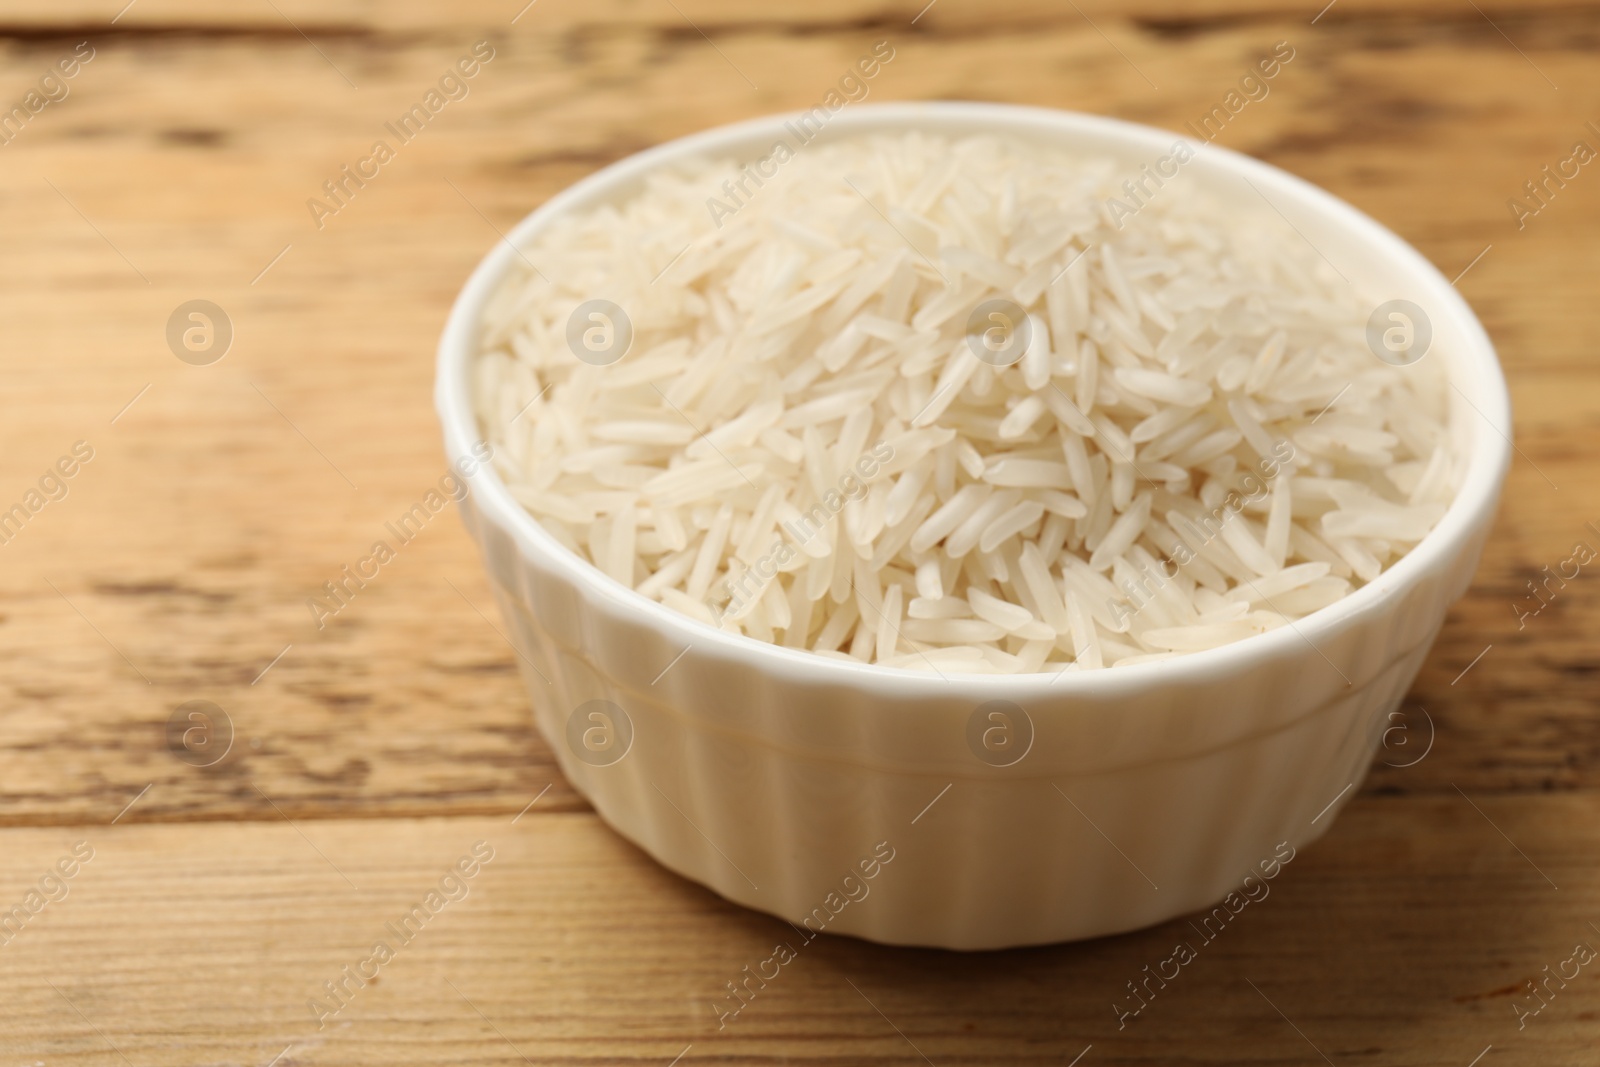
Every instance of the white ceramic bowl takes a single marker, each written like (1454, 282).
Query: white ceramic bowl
(770, 774)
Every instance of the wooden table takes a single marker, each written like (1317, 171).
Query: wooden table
(370, 755)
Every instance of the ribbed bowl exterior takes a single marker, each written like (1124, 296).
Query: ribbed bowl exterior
(853, 799)
(1124, 812)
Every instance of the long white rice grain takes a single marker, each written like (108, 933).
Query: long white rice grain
(951, 514)
(1127, 529)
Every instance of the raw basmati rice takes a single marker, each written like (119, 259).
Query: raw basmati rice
(809, 443)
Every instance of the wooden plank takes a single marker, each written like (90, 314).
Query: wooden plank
(179, 565)
(356, 21)
(1402, 938)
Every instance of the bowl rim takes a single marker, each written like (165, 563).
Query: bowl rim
(1472, 508)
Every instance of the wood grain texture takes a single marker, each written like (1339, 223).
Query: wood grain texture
(571, 947)
(178, 565)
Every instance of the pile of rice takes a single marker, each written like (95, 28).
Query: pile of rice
(802, 445)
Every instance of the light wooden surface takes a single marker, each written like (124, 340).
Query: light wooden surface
(376, 751)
